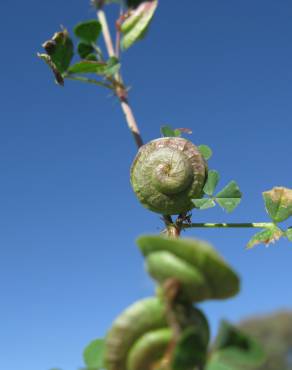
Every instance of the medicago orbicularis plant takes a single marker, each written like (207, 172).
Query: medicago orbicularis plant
(170, 176)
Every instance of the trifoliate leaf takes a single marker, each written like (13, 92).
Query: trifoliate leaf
(278, 202)
(135, 26)
(268, 235)
(204, 203)
(206, 151)
(93, 354)
(88, 31)
(288, 233)
(212, 181)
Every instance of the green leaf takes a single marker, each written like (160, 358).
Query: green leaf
(167, 131)
(190, 350)
(204, 203)
(100, 68)
(212, 181)
(229, 204)
(233, 349)
(278, 202)
(88, 31)
(93, 354)
(84, 50)
(206, 151)
(177, 132)
(231, 190)
(88, 66)
(91, 57)
(288, 233)
(266, 236)
(230, 336)
(134, 3)
(183, 130)
(60, 50)
(135, 26)
(48, 60)
(230, 197)
(59, 54)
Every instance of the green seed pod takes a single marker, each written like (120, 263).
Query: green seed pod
(149, 349)
(201, 271)
(167, 173)
(140, 318)
(140, 336)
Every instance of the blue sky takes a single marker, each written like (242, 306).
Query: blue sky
(68, 216)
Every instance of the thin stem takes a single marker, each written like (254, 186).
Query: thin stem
(228, 225)
(131, 121)
(121, 92)
(89, 80)
(106, 33)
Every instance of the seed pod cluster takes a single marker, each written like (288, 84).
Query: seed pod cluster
(141, 336)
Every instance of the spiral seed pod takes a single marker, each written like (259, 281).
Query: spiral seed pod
(140, 336)
(142, 317)
(195, 264)
(167, 173)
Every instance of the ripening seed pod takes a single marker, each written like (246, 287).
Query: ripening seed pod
(167, 173)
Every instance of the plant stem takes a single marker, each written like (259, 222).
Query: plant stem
(228, 225)
(106, 32)
(130, 118)
(120, 92)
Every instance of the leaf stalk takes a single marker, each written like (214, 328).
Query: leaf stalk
(228, 225)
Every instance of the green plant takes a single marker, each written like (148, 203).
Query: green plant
(170, 176)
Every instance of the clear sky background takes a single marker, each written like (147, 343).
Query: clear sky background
(68, 216)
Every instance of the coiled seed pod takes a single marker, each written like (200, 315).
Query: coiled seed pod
(201, 271)
(140, 336)
(167, 173)
(142, 317)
